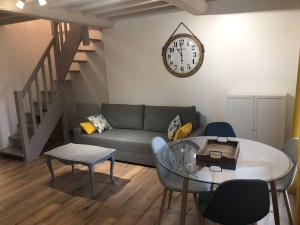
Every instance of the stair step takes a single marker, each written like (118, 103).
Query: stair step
(15, 140)
(29, 118)
(29, 130)
(29, 126)
(67, 79)
(38, 113)
(90, 46)
(36, 106)
(95, 39)
(15, 137)
(79, 61)
(87, 50)
(13, 151)
(50, 94)
(74, 71)
(97, 34)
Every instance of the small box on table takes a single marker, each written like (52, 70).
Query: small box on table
(223, 154)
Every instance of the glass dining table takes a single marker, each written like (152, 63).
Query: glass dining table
(255, 161)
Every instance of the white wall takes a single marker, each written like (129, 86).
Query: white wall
(90, 85)
(21, 46)
(248, 51)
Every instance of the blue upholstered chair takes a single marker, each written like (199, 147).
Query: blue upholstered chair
(236, 202)
(282, 185)
(220, 129)
(171, 181)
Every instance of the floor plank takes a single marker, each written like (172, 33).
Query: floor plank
(27, 199)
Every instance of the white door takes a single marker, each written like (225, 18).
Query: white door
(270, 120)
(240, 115)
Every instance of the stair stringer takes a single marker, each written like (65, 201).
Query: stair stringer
(73, 39)
(44, 130)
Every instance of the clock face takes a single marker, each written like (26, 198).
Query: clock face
(183, 55)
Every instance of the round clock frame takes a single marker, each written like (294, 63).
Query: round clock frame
(199, 63)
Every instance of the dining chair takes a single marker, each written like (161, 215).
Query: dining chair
(236, 202)
(172, 182)
(220, 129)
(282, 185)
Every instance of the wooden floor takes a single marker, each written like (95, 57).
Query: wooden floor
(26, 198)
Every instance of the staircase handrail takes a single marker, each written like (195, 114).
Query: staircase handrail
(38, 66)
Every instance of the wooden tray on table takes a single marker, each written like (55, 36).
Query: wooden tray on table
(223, 154)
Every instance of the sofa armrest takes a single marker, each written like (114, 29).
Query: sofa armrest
(197, 132)
(77, 131)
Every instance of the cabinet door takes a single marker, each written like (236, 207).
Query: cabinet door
(270, 120)
(240, 115)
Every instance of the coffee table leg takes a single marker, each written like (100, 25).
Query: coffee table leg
(73, 169)
(112, 164)
(185, 189)
(275, 203)
(92, 180)
(49, 164)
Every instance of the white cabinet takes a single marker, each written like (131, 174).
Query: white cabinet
(258, 117)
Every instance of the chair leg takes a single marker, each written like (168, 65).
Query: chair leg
(170, 198)
(275, 203)
(288, 207)
(161, 212)
(197, 207)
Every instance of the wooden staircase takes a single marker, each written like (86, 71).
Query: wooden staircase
(86, 49)
(40, 104)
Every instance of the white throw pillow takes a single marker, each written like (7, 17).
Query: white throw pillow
(174, 125)
(100, 123)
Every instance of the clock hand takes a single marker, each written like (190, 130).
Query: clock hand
(180, 52)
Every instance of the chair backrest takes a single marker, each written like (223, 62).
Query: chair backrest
(291, 149)
(220, 129)
(239, 202)
(157, 143)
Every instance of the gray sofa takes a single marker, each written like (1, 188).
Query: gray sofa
(134, 126)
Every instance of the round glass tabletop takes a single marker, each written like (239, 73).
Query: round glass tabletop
(255, 161)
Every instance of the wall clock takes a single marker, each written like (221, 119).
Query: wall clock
(183, 54)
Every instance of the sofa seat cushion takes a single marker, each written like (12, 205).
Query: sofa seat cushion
(136, 141)
(124, 116)
(158, 118)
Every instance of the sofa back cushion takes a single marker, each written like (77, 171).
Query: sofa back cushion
(84, 110)
(124, 116)
(158, 118)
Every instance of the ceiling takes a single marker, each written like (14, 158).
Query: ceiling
(104, 13)
(101, 13)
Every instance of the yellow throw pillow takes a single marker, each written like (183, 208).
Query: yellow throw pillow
(88, 127)
(183, 131)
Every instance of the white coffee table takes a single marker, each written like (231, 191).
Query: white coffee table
(88, 155)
